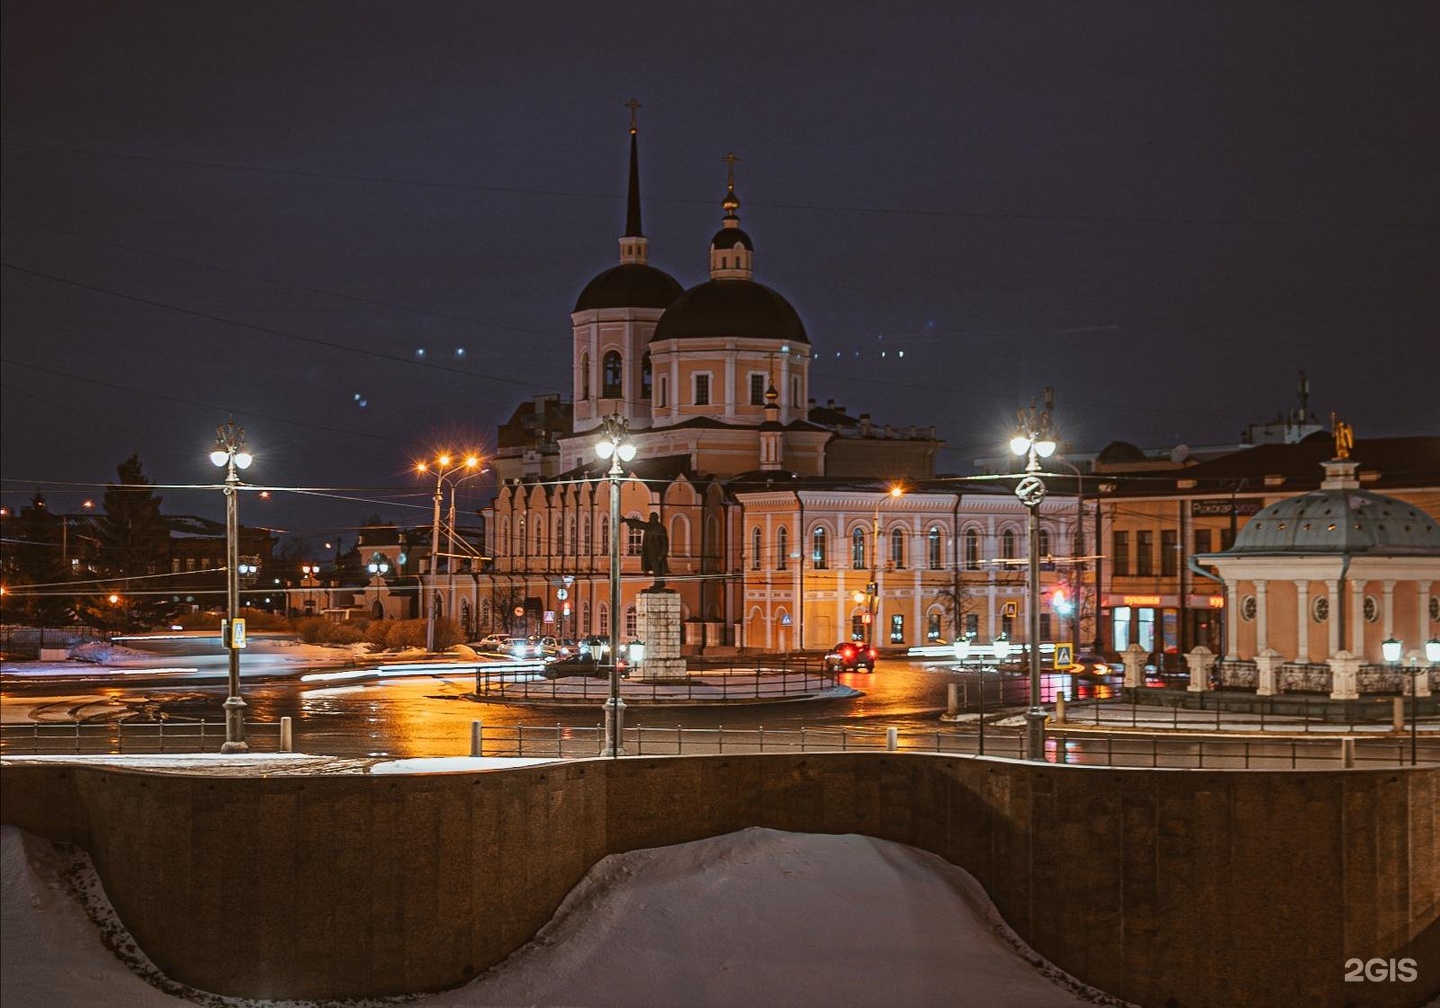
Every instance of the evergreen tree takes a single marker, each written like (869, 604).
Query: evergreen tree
(135, 545)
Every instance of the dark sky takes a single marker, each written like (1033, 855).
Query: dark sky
(1163, 210)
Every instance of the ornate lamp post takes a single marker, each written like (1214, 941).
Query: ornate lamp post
(445, 464)
(1391, 650)
(614, 444)
(230, 454)
(1432, 656)
(1034, 440)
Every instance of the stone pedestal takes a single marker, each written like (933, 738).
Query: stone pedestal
(1344, 676)
(1134, 658)
(657, 620)
(1267, 663)
(1201, 661)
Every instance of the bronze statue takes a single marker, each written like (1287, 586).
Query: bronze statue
(654, 547)
(1344, 437)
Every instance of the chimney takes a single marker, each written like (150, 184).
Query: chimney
(864, 424)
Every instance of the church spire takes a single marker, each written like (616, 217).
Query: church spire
(634, 247)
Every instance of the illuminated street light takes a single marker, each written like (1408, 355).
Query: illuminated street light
(230, 454)
(614, 444)
(1034, 439)
(445, 465)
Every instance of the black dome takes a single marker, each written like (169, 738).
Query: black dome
(728, 238)
(633, 285)
(731, 308)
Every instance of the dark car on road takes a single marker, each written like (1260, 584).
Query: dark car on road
(850, 656)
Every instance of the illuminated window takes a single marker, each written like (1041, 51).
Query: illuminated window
(972, 550)
(634, 540)
(817, 549)
(932, 549)
(782, 547)
(857, 549)
(897, 547)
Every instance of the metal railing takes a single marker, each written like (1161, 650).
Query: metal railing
(1283, 714)
(762, 684)
(1199, 752)
(131, 737)
(569, 742)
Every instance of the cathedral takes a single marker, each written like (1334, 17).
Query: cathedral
(791, 525)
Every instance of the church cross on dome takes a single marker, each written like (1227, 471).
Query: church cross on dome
(632, 105)
(732, 202)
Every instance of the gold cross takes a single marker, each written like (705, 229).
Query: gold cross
(632, 105)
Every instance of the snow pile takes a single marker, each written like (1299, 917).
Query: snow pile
(106, 653)
(758, 917)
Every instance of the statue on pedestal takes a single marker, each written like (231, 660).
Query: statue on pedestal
(654, 547)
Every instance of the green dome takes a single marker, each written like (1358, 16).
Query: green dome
(1340, 521)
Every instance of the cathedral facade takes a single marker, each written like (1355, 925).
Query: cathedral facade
(791, 527)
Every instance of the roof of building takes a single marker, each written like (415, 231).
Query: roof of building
(630, 285)
(729, 237)
(731, 307)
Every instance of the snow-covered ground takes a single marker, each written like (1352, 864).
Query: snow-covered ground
(756, 918)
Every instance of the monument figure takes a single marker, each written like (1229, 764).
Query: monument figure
(654, 547)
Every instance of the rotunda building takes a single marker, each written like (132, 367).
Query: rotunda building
(1315, 583)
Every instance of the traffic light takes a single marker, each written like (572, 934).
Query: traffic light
(1060, 602)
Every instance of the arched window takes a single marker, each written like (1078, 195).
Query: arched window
(630, 622)
(570, 542)
(857, 548)
(818, 558)
(557, 541)
(520, 540)
(603, 629)
(585, 376)
(782, 547)
(585, 537)
(539, 527)
(1007, 545)
(897, 547)
(755, 548)
(585, 617)
(610, 378)
(932, 548)
(645, 376)
(972, 550)
(634, 540)
(1044, 543)
(604, 534)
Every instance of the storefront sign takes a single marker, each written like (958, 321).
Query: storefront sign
(1220, 507)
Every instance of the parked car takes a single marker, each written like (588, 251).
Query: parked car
(498, 643)
(534, 646)
(850, 656)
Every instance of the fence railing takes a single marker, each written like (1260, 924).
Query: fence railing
(132, 737)
(762, 684)
(1288, 714)
(572, 742)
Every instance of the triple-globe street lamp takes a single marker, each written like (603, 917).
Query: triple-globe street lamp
(1034, 439)
(231, 454)
(614, 445)
(444, 465)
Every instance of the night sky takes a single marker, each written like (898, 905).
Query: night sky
(360, 227)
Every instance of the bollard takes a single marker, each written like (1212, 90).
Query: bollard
(287, 738)
(1399, 725)
(952, 696)
(892, 739)
(477, 738)
(1347, 752)
(1059, 708)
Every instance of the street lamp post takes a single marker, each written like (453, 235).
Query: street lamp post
(1390, 650)
(872, 590)
(1432, 656)
(378, 569)
(1077, 552)
(614, 444)
(445, 465)
(1035, 440)
(230, 454)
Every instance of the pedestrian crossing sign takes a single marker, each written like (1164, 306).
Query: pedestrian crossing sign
(1011, 608)
(1064, 655)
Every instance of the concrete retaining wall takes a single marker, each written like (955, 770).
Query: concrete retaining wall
(1205, 887)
